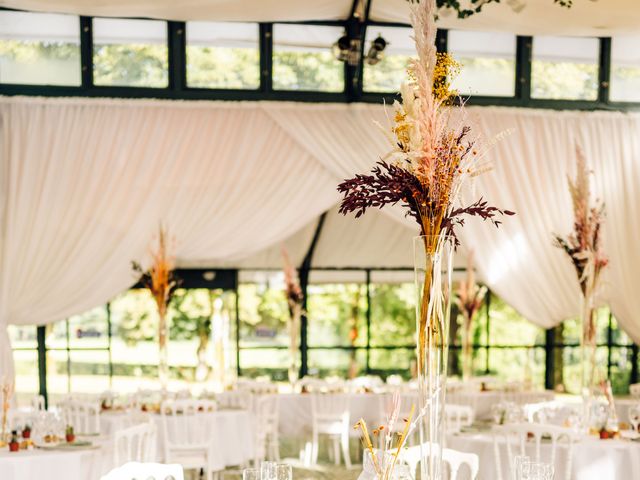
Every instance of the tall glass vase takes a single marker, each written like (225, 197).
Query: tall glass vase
(433, 268)
(588, 357)
(163, 355)
(294, 345)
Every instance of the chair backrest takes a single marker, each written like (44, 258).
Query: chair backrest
(455, 460)
(135, 444)
(634, 390)
(514, 437)
(235, 400)
(267, 415)
(553, 412)
(83, 416)
(183, 425)
(37, 403)
(452, 458)
(457, 416)
(330, 407)
(147, 471)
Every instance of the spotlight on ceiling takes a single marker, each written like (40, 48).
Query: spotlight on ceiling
(342, 48)
(376, 50)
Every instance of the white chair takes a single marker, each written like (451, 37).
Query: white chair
(267, 415)
(18, 419)
(634, 390)
(37, 403)
(514, 437)
(83, 416)
(135, 444)
(146, 471)
(330, 416)
(453, 459)
(186, 438)
(457, 417)
(235, 400)
(552, 413)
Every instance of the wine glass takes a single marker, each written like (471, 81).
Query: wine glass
(251, 474)
(634, 417)
(284, 472)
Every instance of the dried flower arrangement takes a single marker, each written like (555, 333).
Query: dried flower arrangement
(584, 248)
(385, 458)
(161, 282)
(434, 153)
(295, 299)
(471, 7)
(469, 300)
(7, 392)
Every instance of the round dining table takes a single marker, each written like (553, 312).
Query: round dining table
(231, 433)
(593, 459)
(51, 464)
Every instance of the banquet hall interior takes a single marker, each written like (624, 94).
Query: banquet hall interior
(333, 239)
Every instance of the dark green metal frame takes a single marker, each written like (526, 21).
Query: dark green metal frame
(353, 91)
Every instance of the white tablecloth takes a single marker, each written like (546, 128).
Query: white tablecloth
(295, 411)
(231, 432)
(52, 465)
(593, 459)
(481, 402)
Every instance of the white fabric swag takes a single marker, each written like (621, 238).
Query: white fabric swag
(84, 184)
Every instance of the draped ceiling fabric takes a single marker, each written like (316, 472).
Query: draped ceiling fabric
(84, 184)
(524, 17)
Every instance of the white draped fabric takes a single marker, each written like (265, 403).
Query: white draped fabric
(84, 184)
(524, 17)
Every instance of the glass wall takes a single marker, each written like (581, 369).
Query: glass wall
(223, 55)
(39, 48)
(565, 68)
(625, 69)
(130, 53)
(303, 59)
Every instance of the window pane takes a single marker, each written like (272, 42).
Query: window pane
(265, 361)
(620, 370)
(507, 327)
(130, 52)
(134, 347)
(625, 69)
(89, 371)
(23, 336)
(393, 314)
(56, 335)
(302, 58)
(27, 379)
(390, 72)
(570, 367)
(396, 361)
(223, 55)
(519, 364)
(264, 313)
(565, 68)
(488, 63)
(341, 363)
(90, 329)
(337, 313)
(57, 375)
(38, 48)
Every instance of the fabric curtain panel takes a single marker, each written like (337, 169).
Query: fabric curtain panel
(84, 184)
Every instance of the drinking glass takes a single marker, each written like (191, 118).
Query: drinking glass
(634, 417)
(284, 472)
(251, 474)
(268, 471)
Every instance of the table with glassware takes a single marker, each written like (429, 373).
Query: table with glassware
(593, 459)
